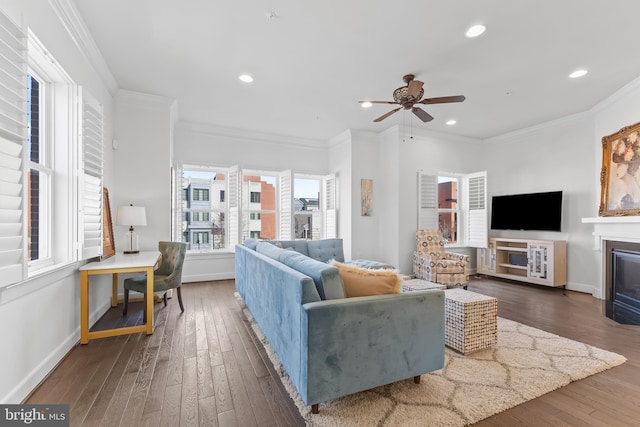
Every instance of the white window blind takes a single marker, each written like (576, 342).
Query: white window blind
(235, 197)
(427, 202)
(477, 230)
(13, 141)
(90, 218)
(179, 203)
(285, 187)
(328, 207)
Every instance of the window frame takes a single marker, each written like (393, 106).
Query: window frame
(59, 135)
(61, 110)
(239, 209)
(472, 224)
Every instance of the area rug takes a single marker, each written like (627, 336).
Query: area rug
(526, 363)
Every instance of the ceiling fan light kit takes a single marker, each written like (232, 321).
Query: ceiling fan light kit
(411, 94)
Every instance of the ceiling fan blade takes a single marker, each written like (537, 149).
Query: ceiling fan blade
(414, 88)
(384, 116)
(422, 115)
(443, 99)
(379, 102)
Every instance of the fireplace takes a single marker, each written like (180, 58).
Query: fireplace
(622, 281)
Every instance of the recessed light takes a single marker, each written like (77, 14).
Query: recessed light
(577, 73)
(366, 104)
(475, 31)
(245, 78)
(451, 122)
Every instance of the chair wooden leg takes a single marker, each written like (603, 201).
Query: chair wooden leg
(179, 291)
(126, 302)
(314, 408)
(164, 298)
(416, 379)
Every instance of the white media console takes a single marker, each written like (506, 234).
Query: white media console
(542, 262)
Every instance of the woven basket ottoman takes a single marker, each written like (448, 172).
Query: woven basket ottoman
(412, 285)
(471, 320)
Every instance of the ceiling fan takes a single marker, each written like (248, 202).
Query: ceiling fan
(410, 95)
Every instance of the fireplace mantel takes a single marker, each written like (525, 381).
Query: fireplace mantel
(616, 228)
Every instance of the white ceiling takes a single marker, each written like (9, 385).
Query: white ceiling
(317, 59)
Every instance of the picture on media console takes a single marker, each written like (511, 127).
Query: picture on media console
(620, 178)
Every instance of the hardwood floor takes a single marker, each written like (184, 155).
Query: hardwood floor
(205, 367)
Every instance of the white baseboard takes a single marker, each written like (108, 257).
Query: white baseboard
(582, 287)
(21, 391)
(208, 277)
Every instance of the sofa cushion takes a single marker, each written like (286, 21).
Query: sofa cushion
(296, 245)
(360, 282)
(251, 243)
(269, 250)
(326, 250)
(326, 277)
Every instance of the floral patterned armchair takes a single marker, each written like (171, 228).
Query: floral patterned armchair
(432, 263)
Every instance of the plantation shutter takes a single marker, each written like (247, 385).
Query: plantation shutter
(328, 207)
(178, 203)
(427, 202)
(90, 216)
(285, 186)
(13, 143)
(235, 194)
(476, 189)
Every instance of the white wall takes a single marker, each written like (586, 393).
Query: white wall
(430, 153)
(366, 164)
(208, 145)
(143, 165)
(39, 318)
(554, 156)
(339, 161)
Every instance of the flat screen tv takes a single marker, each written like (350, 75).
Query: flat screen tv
(532, 211)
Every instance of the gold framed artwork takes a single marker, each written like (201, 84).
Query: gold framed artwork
(108, 244)
(366, 195)
(619, 177)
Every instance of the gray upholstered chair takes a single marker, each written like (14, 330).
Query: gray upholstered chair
(167, 276)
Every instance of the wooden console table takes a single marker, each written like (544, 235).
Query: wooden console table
(143, 262)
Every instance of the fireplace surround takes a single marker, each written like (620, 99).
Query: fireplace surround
(617, 239)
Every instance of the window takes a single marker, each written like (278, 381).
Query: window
(40, 173)
(201, 222)
(259, 210)
(455, 204)
(199, 216)
(252, 204)
(201, 194)
(36, 124)
(307, 216)
(448, 208)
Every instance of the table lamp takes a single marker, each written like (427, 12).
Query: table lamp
(131, 215)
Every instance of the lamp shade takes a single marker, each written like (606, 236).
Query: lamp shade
(131, 215)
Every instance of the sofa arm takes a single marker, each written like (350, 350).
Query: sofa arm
(355, 344)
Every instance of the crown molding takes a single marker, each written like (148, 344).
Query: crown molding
(624, 91)
(68, 15)
(540, 127)
(249, 136)
(147, 99)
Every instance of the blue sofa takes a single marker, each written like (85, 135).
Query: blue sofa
(329, 345)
